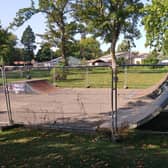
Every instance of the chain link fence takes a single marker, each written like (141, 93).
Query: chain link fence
(81, 97)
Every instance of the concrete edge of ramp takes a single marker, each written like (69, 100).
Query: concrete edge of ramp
(141, 115)
(40, 86)
(153, 91)
(20, 88)
(150, 111)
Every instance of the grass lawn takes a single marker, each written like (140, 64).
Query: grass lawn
(136, 77)
(25, 148)
(101, 78)
(13, 76)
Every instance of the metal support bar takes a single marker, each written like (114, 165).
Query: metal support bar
(87, 78)
(125, 78)
(114, 104)
(7, 97)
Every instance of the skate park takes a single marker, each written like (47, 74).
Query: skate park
(37, 102)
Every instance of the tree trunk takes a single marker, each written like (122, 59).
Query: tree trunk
(113, 58)
(63, 42)
(63, 51)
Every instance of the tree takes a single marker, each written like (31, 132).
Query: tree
(60, 29)
(7, 43)
(156, 23)
(165, 47)
(17, 55)
(73, 48)
(152, 58)
(28, 40)
(45, 53)
(89, 48)
(121, 61)
(124, 46)
(109, 18)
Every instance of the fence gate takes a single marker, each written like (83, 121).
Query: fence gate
(5, 105)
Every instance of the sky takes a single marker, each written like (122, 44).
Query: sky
(8, 9)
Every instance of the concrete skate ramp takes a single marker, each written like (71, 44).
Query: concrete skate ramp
(79, 106)
(154, 90)
(19, 87)
(137, 113)
(31, 87)
(41, 86)
(149, 111)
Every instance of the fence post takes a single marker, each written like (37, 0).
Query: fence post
(7, 97)
(54, 80)
(125, 77)
(87, 78)
(114, 107)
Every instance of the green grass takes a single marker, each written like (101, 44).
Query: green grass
(136, 77)
(32, 148)
(13, 76)
(102, 79)
(140, 80)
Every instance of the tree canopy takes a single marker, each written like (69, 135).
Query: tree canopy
(156, 23)
(60, 27)
(110, 18)
(124, 46)
(7, 44)
(45, 53)
(89, 48)
(28, 40)
(152, 58)
(165, 47)
(17, 55)
(103, 18)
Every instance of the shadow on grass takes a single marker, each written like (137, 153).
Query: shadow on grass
(72, 80)
(41, 148)
(47, 148)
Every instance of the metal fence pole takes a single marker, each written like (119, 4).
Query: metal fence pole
(54, 75)
(114, 107)
(7, 97)
(116, 104)
(87, 78)
(125, 77)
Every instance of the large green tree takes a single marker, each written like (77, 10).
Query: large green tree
(45, 53)
(17, 55)
(165, 47)
(28, 40)
(89, 48)
(110, 18)
(156, 23)
(124, 46)
(7, 44)
(152, 58)
(60, 27)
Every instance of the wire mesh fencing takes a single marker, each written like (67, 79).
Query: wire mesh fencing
(81, 96)
(5, 113)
